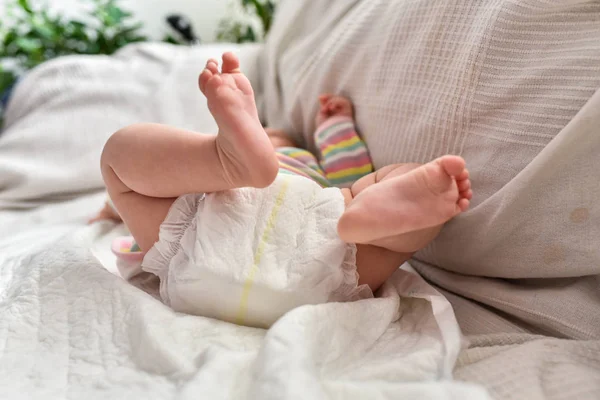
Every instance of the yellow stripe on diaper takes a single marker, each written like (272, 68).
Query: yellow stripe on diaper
(243, 309)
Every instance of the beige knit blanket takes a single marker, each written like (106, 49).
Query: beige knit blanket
(512, 86)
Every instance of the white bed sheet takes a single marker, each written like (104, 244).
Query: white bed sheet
(72, 329)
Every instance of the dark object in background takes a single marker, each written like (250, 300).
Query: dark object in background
(4, 96)
(183, 27)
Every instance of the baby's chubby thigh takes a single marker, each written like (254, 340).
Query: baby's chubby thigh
(257, 253)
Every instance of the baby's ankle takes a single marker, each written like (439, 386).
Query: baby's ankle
(260, 173)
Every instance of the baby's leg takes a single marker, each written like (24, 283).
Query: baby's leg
(147, 166)
(380, 256)
(342, 153)
(376, 264)
(406, 242)
(422, 198)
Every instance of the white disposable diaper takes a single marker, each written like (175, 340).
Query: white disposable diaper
(250, 255)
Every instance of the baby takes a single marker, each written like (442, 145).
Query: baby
(156, 176)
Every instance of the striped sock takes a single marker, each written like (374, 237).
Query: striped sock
(300, 162)
(344, 155)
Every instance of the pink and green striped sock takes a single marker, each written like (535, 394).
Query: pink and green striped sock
(343, 154)
(301, 162)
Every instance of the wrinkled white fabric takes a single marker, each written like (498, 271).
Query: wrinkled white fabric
(69, 330)
(250, 255)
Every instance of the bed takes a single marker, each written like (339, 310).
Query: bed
(71, 327)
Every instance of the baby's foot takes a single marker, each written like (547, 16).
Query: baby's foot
(425, 197)
(333, 106)
(246, 153)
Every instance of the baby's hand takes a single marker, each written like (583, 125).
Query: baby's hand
(333, 106)
(106, 213)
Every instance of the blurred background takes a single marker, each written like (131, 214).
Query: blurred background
(204, 14)
(34, 31)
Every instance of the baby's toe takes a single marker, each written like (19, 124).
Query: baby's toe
(214, 83)
(463, 185)
(231, 64)
(213, 66)
(463, 175)
(453, 165)
(467, 194)
(203, 79)
(463, 204)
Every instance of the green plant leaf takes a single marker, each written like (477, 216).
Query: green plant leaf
(9, 38)
(36, 36)
(24, 4)
(77, 24)
(236, 31)
(7, 79)
(115, 13)
(45, 31)
(129, 30)
(170, 39)
(247, 3)
(28, 45)
(93, 48)
(249, 36)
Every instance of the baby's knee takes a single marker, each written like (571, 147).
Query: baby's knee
(128, 134)
(122, 142)
(118, 146)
